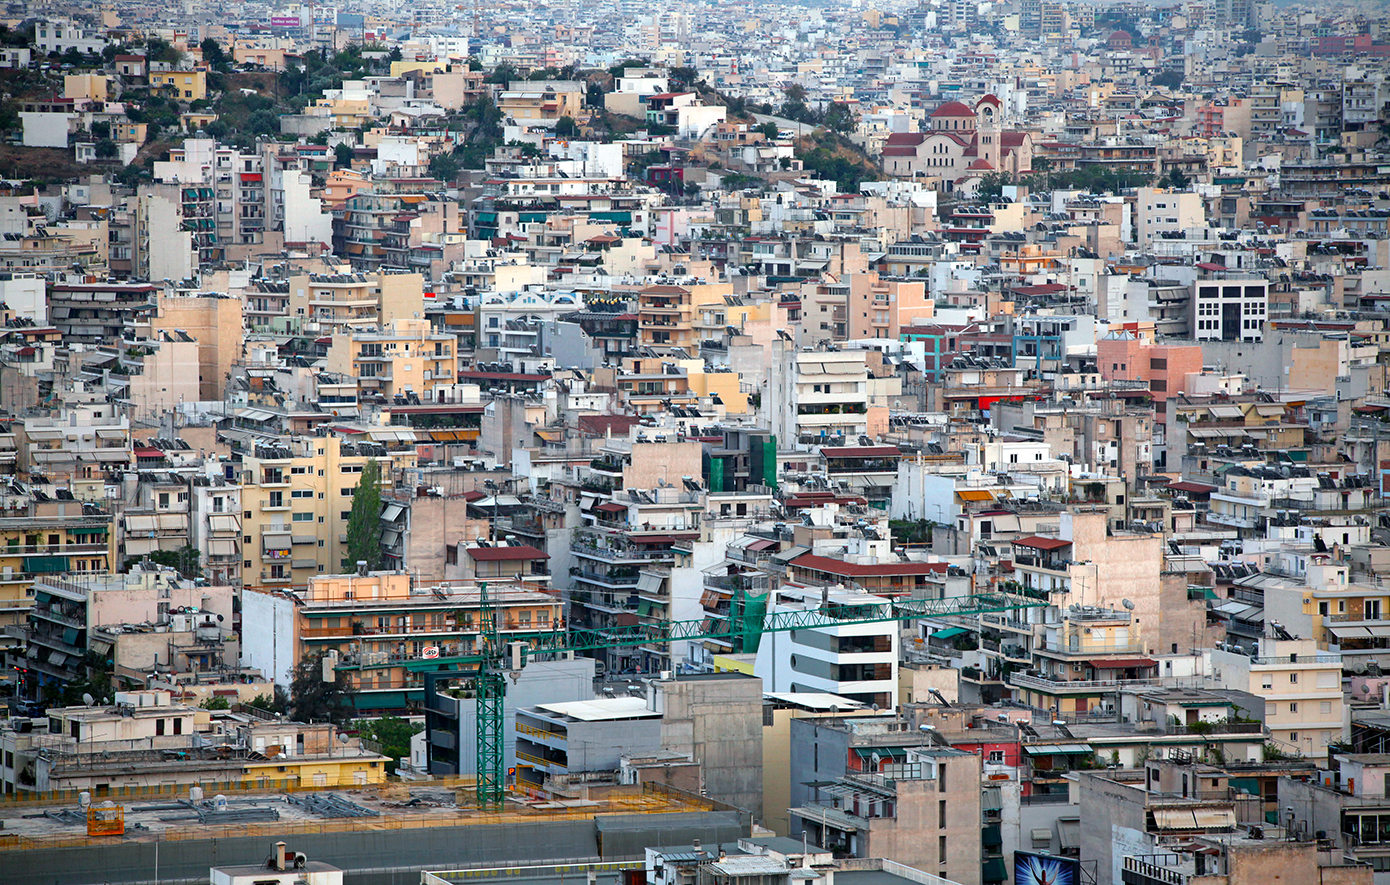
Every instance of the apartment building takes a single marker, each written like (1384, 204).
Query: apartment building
(330, 303)
(1160, 211)
(214, 321)
(85, 443)
(857, 661)
(67, 609)
(671, 317)
(874, 786)
(39, 538)
(527, 101)
(1122, 356)
(1301, 686)
(1224, 308)
(96, 313)
(384, 630)
(407, 358)
(816, 396)
(296, 500)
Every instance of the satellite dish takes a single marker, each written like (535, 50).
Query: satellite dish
(88, 700)
(1129, 604)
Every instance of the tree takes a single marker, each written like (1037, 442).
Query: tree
(364, 522)
(1168, 79)
(342, 156)
(276, 702)
(565, 127)
(992, 186)
(839, 118)
(185, 560)
(769, 130)
(216, 704)
(393, 734)
(314, 700)
(444, 167)
(214, 56)
(101, 129)
(106, 148)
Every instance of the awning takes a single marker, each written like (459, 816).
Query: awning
(1123, 663)
(224, 522)
(949, 633)
(1056, 749)
(1194, 818)
(141, 546)
(974, 495)
(46, 564)
(994, 870)
(1225, 412)
(173, 522)
(867, 753)
(648, 583)
(610, 507)
(259, 415)
(788, 555)
(140, 523)
(220, 547)
(1069, 832)
(1038, 542)
(391, 511)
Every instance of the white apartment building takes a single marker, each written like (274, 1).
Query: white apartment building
(857, 661)
(818, 395)
(1228, 309)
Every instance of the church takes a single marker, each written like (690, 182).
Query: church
(963, 143)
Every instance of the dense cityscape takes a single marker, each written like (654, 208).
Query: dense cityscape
(902, 442)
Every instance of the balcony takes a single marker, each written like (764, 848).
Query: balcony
(270, 505)
(1081, 686)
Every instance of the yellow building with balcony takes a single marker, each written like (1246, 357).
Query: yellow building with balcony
(48, 537)
(407, 358)
(296, 500)
(186, 86)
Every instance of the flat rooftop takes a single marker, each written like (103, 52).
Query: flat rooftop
(41, 824)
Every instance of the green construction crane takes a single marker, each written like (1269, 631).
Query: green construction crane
(486, 667)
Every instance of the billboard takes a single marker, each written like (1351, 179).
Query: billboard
(1045, 869)
(284, 21)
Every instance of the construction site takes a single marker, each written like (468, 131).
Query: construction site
(377, 836)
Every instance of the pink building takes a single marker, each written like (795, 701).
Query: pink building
(1121, 356)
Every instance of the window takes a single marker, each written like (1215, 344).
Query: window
(941, 814)
(1293, 708)
(1293, 678)
(302, 517)
(1293, 736)
(1325, 708)
(996, 757)
(302, 493)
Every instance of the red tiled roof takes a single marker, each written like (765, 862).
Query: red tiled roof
(859, 451)
(953, 109)
(1037, 542)
(598, 425)
(851, 569)
(1123, 663)
(1194, 487)
(506, 554)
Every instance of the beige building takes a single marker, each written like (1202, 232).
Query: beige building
(214, 321)
(354, 300)
(381, 627)
(527, 101)
(1302, 689)
(296, 499)
(406, 358)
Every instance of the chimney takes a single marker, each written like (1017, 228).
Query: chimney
(279, 855)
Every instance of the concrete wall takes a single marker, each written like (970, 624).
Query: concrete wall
(539, 682)
(271, 647)
(717, 719)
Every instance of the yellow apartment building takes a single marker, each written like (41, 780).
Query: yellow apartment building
(386, 630)
(527, 101)
(669, 317)
(186, 85)
(407, 358)
(342, 301)
(47, 537)
(296, 499)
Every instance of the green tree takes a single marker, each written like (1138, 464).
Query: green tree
(364, 521)
(106, 148)
(162, 50)
(314, 700)
(992, 186)
(565, 127)
(276, 702)
(185, 560)
(1168, 79)
(101, 129)
(342, 156)
(393, 733)
(214, 56)
(838, 117)
(444, 167)
(216, 704)
(769, 130)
